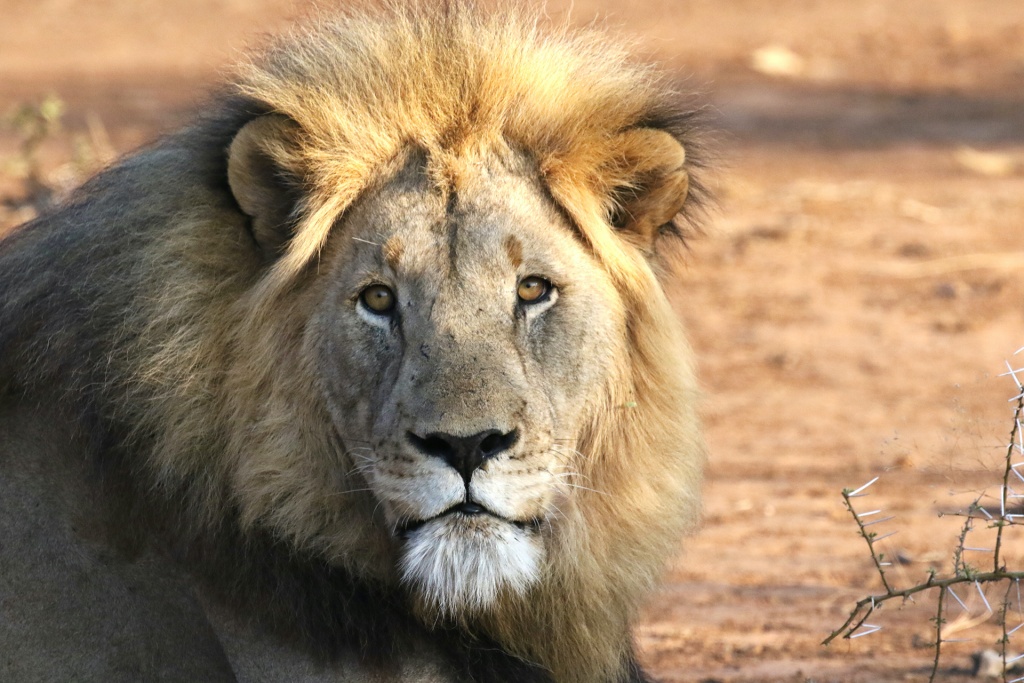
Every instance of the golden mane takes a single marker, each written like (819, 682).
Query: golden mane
(457, 82)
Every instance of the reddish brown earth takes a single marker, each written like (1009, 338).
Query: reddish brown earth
(857, 293)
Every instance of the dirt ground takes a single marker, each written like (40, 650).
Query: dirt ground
(853, 302)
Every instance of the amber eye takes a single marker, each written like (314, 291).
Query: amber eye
(533, 289)
(378, 298)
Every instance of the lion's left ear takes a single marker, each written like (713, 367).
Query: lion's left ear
(656, 184)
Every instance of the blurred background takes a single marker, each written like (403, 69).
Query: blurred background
(857, 293)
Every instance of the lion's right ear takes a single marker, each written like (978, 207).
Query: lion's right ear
(264, 179)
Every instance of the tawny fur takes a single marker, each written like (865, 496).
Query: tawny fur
(454, 83)
(218, 365)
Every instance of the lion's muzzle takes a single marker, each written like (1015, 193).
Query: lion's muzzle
(465, 513)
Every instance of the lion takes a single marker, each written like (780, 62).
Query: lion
(368, 374)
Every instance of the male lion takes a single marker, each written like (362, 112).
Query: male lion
(368, 375)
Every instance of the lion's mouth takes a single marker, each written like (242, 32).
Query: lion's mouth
(467, 510)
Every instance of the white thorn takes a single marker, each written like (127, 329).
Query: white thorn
(977, 585)
(872, 629)
(879, 521)
(949, 589)
(854, 493)
(1013, 373)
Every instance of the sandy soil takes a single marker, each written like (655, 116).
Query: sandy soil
(852, 304)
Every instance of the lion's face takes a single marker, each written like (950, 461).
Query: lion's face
(462, 339)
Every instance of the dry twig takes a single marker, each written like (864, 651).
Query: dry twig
(963, 573)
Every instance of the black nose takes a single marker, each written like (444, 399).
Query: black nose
(465, 453)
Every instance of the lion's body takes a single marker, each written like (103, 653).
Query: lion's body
(218, 461)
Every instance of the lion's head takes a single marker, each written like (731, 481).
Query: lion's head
(465, 340)
(410, 318)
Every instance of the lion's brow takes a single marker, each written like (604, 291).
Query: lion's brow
(393, 250)
(514, 249)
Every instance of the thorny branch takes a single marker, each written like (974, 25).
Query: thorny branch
(963, 573)
(939, 621)
(1015, 434)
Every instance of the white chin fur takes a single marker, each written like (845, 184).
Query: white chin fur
(459, 565)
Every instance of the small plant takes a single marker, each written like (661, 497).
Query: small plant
(34, 124)
(963, 574)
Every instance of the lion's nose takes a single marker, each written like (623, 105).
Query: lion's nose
(465, 453)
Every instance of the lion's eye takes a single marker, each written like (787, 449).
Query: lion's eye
(533, 289)
(379, 299)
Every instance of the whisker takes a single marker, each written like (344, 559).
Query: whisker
(564, 478)
(342, 493)
(570, 450)
(587, 488)
(558, 513)
(361, 464)
(570, 473)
